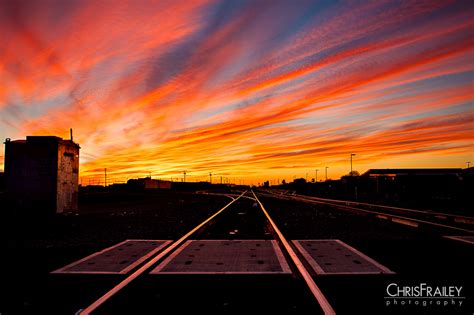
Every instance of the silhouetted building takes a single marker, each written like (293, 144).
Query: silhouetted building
(41, 173)
(417, 187)
(413, 172)
(148, 183)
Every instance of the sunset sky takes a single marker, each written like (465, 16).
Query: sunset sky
(248, 90)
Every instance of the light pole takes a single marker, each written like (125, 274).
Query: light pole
(105, 175)
(352, 154)
(210, 178)
(468, 164)
(184, 177)
(316, 177)
(327, 172)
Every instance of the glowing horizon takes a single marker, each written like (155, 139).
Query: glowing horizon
(247, 90)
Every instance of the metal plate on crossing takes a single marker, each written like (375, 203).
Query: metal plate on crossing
(117, 259)
(225, 257)
(334, 257)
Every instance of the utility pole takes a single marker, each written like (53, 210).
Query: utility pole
(327, 173)
(468, 164)
(316, 177)
(352, 154)
(184, 173)
(105, 175)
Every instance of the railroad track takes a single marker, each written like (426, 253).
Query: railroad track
(410, 217)
(176, 246)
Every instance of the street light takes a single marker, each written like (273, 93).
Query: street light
(327, 172)
(352, 154)
(316, 177)
(210, 178)
(468, 164)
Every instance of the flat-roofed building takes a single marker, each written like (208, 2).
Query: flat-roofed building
(42, 173)
(394, 172)
(148, 183)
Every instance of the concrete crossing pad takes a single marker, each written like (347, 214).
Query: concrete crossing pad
(225, 257)
(117, 259)
(334, 257)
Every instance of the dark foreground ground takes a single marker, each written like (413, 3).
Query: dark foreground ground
(37, 246)
(33, 248)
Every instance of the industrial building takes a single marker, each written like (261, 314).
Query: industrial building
(148, 183)
(413, 172)
(41, 174)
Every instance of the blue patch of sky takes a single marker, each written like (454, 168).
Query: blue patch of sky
(457, 8)
(239, 64)
(38, 108)
(433, 83)
(415, 88)
(308, 13)
(248, 55)
(59, 14)
(286, 87)
(424, 86)
(324, 120)
(106, 73)
(459, 109)
(208, 113)
(166, 66)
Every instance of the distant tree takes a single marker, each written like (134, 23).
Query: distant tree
(312, 180)
(266, 184)
(299, 181)
(353, 173)
(283, 182)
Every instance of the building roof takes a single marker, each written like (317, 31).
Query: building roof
(39, 139)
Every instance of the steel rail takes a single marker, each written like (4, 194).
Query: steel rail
(383, 213)
(356, 203)
(150, 263)
(317, 293)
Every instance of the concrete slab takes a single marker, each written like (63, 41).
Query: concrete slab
(334, 257)
(464, 238)
(117, 259)
(225, 257)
